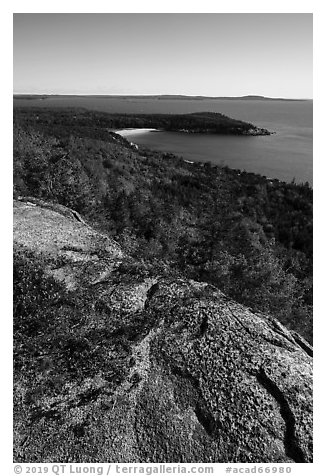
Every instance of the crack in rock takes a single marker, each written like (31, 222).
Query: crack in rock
(203, 326)
(206, 420)
(304, 345)
(291, 444)
(277, 330)
(150, 293)
(204, 416)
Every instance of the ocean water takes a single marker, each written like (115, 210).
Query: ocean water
(286, 155)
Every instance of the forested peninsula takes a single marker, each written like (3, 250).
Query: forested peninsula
(198, 122)
(152, 295)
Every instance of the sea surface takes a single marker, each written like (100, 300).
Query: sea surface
(286, 155)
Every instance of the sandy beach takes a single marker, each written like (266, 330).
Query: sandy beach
(129, 132)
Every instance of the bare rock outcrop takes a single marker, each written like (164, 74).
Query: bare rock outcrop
(176, 371)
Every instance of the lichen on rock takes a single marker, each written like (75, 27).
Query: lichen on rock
(174, 370)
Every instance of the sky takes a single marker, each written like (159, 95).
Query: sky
(193, 54)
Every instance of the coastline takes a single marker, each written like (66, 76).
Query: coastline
(237, 152)
(131, 131)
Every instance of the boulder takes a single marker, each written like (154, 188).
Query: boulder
(185, 373)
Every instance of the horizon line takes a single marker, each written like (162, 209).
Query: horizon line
(160, 95)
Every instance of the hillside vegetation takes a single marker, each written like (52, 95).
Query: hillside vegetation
(249, 236)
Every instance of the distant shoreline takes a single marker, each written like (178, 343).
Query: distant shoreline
(162, 97)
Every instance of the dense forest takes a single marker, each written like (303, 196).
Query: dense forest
(198, 122)
(248, 235)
